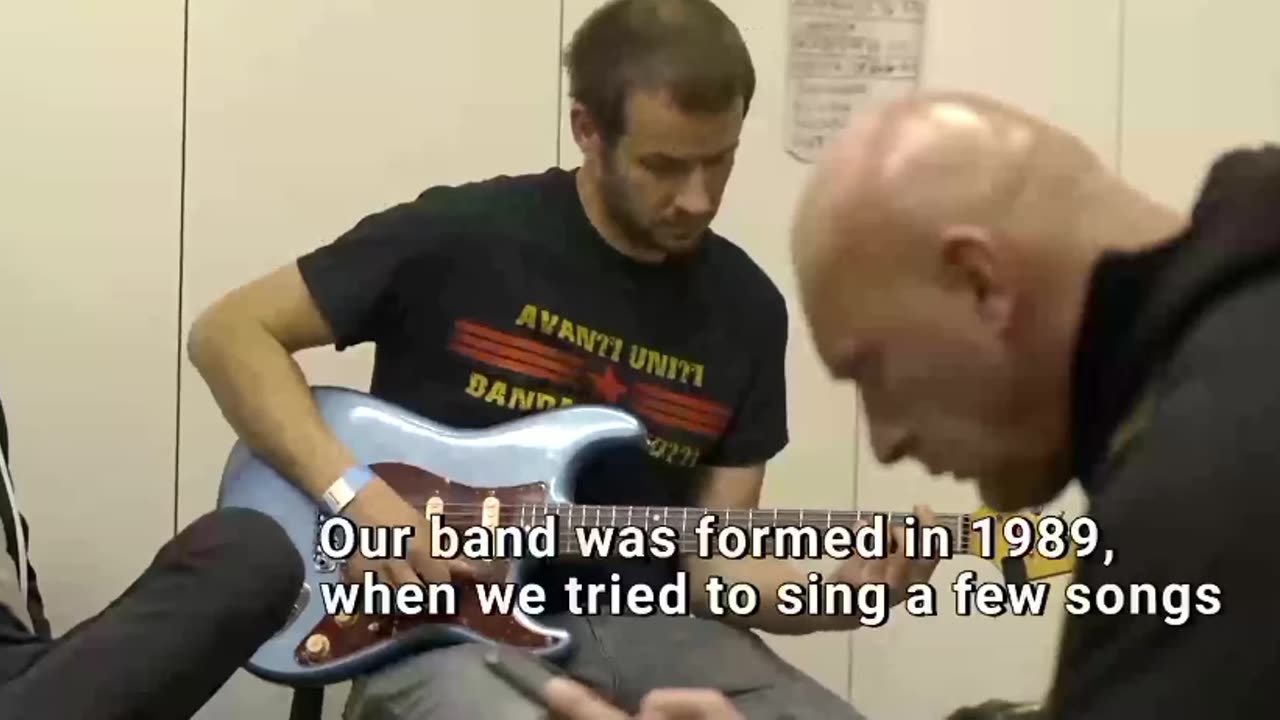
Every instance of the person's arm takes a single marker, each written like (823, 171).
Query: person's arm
(243, 347)
(734, 479)
(340, 294)
(739, 488)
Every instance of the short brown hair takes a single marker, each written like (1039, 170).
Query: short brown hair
(689, 48)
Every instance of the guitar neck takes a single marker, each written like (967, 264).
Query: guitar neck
(796, 529)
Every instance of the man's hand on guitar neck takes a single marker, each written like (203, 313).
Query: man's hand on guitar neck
(895, 570)
(378, 505)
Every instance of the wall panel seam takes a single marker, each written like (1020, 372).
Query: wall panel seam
(182, 217)
(559, 80)
(1122, 12)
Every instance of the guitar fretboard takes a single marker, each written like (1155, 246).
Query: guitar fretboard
(802, 528)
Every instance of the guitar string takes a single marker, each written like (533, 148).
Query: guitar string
(578, 507)
(692, 546)
(568, 544)
(957, 523)
(474, 510)
(578, 516)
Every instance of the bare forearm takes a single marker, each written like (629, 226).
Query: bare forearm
(266, 399)
(766, 575)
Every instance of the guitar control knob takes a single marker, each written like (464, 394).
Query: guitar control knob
(317, 646)
(344, 619)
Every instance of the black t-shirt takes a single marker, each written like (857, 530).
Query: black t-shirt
(495, 299)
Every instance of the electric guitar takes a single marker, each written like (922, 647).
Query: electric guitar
(517, 473)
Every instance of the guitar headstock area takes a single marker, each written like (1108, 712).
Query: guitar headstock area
(1025, 546)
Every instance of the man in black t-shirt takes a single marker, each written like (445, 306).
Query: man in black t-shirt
(502, 297)
(1015, 313)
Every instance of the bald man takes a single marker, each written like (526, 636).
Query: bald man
(1016, 315)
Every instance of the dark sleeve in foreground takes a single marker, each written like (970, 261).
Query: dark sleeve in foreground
(35, 600)
(1192, 505)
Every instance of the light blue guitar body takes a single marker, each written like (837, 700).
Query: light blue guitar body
(528, 462)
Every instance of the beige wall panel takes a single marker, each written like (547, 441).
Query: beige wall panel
(90, 158)
(305, 117)
(1200, 77)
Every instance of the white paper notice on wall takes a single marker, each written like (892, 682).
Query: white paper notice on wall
(844, 55)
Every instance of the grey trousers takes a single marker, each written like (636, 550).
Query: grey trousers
(623, 658)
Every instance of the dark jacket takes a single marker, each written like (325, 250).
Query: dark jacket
(11, 629)
(1176, 422)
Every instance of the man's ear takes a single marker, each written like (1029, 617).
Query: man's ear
(972, 262)
(585, 132)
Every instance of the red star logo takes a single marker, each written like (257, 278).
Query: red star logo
(607, 385)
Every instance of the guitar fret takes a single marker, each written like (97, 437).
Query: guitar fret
(745, 518)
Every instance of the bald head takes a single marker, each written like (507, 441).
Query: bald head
(903, 171)
(942, 247)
